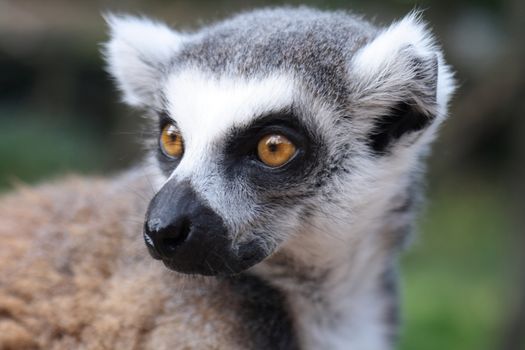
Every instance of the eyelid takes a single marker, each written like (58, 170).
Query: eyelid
(165, 120)
(242, 142)
(290, 133)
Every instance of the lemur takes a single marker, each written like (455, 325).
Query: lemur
(285, 166)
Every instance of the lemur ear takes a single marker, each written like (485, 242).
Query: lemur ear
(137, 54)
(402, 83)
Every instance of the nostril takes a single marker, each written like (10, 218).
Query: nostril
(175, 236)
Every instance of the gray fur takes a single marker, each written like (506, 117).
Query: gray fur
(315, 45)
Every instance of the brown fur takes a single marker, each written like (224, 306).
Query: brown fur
(75, 274)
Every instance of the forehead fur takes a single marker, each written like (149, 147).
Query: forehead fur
(312, 44)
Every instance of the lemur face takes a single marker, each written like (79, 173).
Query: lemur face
(273, 122)
(240, 157)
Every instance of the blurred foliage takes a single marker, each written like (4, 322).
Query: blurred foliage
(60, 113)
(457, 274)
(32, 148)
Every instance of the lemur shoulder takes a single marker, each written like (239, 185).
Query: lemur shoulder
(282, 181)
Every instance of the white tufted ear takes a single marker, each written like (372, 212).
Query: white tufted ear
(402, 82)
(137, 54)
(404, 59)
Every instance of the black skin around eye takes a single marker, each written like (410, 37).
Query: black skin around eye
(240, 157)
(244, 141)
(163, 120)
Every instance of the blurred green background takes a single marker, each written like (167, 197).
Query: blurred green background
(464, 276)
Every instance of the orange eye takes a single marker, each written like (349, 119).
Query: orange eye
(171, 141)
(275, 150)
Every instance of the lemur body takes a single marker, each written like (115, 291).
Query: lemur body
(311, 242)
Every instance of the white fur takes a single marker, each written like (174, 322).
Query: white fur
(383, 64)
(446, 86)
(385, 48)
(138, 48)
(205, 108)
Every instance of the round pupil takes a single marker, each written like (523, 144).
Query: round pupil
(172, 134)
(273, 144)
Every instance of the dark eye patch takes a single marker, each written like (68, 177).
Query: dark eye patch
(239, 158)
(163, 120)
(243, 142)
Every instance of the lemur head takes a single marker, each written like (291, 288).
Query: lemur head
(275, 123)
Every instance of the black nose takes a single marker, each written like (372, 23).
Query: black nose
(165, 238)
(188, 236)
(169, 219)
